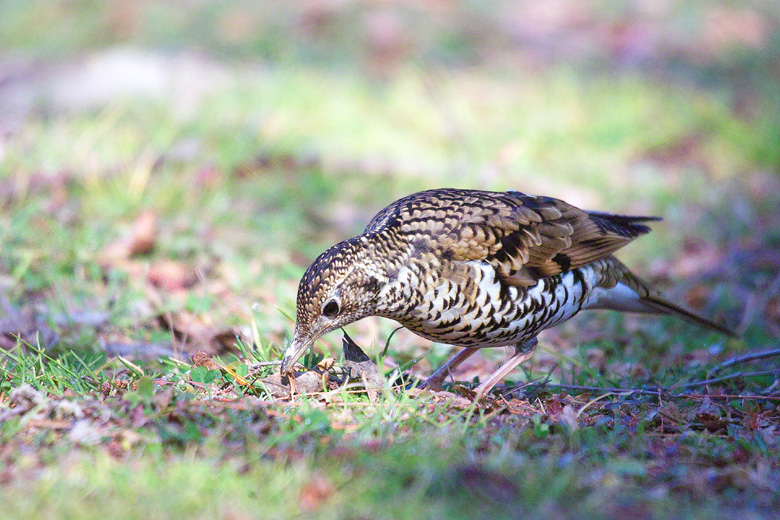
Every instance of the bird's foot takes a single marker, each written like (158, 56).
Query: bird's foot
(523, 352)
(432, 383)
(436, 379)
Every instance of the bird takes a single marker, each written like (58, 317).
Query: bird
(477, 269)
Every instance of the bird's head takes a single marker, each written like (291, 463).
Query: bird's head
(340, 287)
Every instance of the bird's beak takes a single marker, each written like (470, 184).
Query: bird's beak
(296, 349)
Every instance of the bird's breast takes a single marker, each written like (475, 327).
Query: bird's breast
(466, 304)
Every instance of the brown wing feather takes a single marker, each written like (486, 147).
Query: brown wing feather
(525, 237)
(536, 237)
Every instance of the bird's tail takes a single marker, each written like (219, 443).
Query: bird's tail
(621, 290)
(664, 306)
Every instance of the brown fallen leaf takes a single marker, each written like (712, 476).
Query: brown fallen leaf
(315, 493)
(140, 240)
(454, 401)
(326, 364)
(25, 398)
(49, 424)
(171, 275)
(359, 366)
(305, 383)
(202, 359)
(193, 333)
(711, 422)
(569, 417)
(554, 407)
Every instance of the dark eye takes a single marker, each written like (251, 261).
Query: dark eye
(331, 309)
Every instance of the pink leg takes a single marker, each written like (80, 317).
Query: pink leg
(523, 352)
(437, 378)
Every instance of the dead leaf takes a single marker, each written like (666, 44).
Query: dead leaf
(521, 407)
(464, 391)
(308, 382)
(194, 333)
(554, 408)
(171, 275)
(140, 240)
(360, 366)
(49, 424)
(569, 417)
(454, 401)
(711, 421)
(202, 359)
(668, 417)
(26, 397)
(164, 398)
(326, 364)
(315, 493)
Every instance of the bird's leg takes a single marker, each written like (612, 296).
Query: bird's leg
(292, 387)
(437, 378)
(523, 351)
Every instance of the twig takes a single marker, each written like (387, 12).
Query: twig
(745, 359)
(735, 375)
(264, 364)
(732, 396)
(608, 389)
(666, 390)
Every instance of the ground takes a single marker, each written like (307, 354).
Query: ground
(167, 174)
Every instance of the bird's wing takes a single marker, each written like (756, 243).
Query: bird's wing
(524, 237)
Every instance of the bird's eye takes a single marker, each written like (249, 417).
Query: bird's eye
(331, 309)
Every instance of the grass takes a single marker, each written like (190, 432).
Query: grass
(163, 221)
(152, 451)
(168, 448)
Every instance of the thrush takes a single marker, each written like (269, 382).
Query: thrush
(477, 269)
